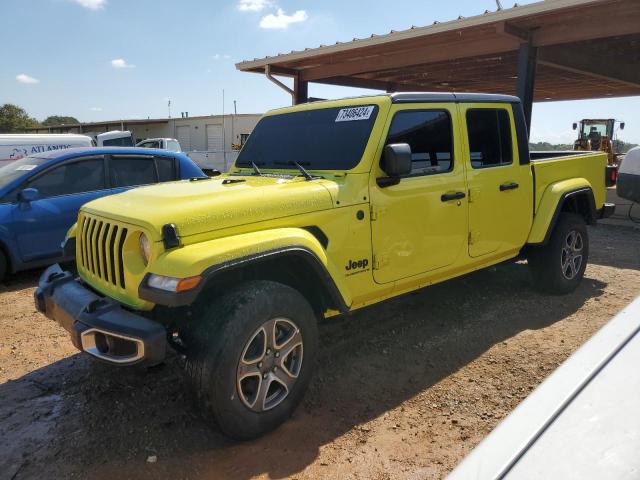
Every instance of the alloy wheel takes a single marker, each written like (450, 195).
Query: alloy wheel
(571, 256)
(270, 364)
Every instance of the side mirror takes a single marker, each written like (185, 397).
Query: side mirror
(28, 195)
(397, 159)
(575, 126)
(622, 126)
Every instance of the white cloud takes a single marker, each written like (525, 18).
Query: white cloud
(282, 20)
(120, 63)
(24, 78)
(218, 56)
(253, 5)
(92, 4)
(96, 109)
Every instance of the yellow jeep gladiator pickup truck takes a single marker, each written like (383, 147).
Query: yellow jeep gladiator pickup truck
(331, 206)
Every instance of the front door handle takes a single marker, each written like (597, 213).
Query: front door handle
(508, 186)
(452, 196)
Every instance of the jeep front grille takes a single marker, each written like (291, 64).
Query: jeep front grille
(99, 247)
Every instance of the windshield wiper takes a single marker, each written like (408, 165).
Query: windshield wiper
(256, 170)
(307, 176)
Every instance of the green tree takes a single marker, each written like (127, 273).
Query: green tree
(546, 146)
(54, 120)
(620, 146)
(14, 119)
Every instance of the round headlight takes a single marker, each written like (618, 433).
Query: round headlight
(145, 248)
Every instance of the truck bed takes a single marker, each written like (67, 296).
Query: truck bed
(552, 167)
(547, 154)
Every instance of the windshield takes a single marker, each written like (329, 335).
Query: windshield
(323, 139)
(17, 168)
(118, 142)
(599, 129)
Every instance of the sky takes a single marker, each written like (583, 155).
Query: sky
(121, 59)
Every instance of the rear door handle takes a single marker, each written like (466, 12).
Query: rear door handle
(508, 186)
(452, 196)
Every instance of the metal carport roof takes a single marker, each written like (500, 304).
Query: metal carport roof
(550, 50)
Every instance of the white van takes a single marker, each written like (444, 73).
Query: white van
(16, 146)
(115, 138)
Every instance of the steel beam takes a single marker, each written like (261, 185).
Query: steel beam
(526, 79)
(300, 90)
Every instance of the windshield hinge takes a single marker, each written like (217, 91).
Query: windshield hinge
(372, 213)
(376, 212)
(380, 260)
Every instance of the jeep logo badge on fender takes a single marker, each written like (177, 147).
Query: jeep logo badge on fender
(356, 265)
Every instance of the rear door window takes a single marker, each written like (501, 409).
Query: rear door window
(166, 169)
(489, 137)
(127, 171)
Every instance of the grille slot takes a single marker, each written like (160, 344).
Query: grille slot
(112, 252)
(101, 250)
(123, 236)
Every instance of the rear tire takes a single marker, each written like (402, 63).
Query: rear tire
(558, 267)
(250, 380)
(3, 266)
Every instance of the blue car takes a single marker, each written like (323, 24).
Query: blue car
(40, 195)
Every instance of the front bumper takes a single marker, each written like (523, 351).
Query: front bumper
(99, 325)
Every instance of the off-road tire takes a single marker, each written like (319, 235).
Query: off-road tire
(4, 266)
(551, 271)
(219, 339)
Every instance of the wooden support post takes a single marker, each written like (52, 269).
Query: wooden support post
(526, 79)
(300, 90)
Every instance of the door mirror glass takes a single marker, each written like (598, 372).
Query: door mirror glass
(28, 195)
(575, 126)
(622, 126)
(397, 159)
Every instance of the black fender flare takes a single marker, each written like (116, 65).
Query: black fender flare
(566, 197)
(171, 299)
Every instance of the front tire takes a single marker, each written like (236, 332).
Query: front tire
(252, 356)
(558, 267)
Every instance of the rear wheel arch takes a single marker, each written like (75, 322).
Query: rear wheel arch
(580, 201)
(297, 267)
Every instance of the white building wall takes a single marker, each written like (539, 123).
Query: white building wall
(207, 154)
(205, 149)
(140, 131)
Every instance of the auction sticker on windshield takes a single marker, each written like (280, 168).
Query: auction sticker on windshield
(354, 113)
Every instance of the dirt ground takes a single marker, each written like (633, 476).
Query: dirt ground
(403, 390)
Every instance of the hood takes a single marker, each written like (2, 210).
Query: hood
(213, 204)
